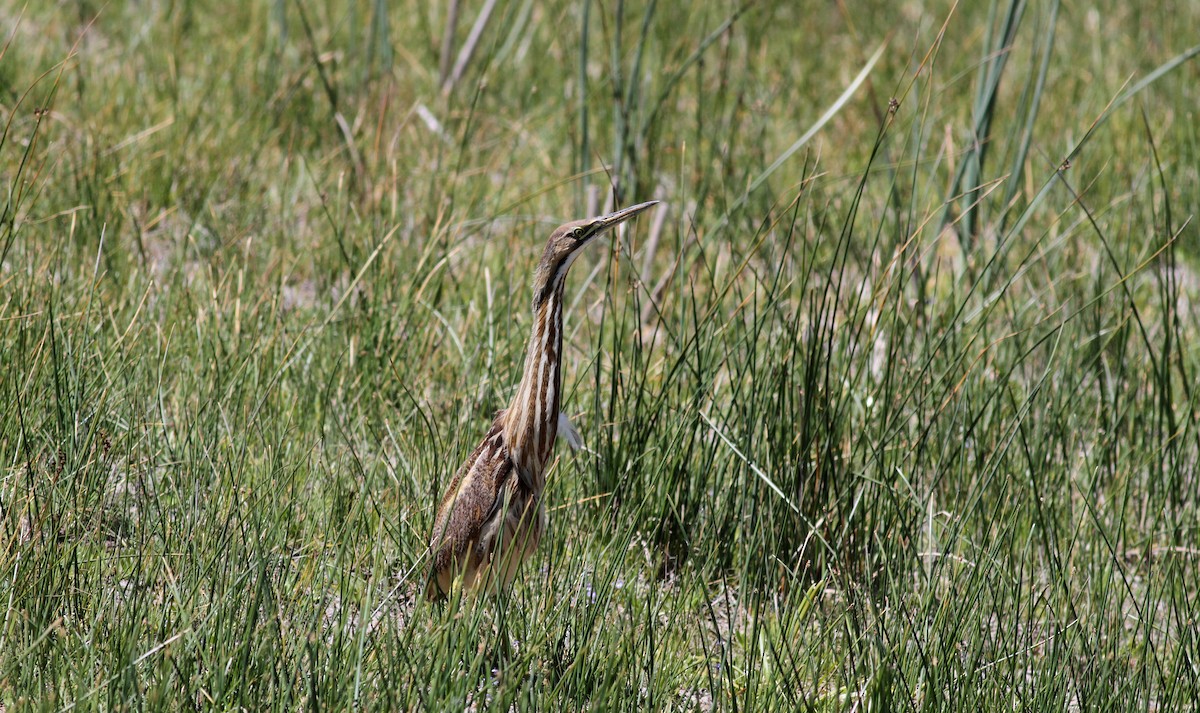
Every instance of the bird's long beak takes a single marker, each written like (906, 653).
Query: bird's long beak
(600, 225)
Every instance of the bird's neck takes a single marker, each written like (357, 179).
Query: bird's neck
(531, 423)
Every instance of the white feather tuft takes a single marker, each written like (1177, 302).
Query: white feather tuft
(567, 432)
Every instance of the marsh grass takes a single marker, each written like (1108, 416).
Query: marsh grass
(900, 413)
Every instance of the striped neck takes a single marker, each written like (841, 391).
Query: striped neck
(531, 423)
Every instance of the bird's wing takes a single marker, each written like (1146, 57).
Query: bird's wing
(465, 503)
(472, 499)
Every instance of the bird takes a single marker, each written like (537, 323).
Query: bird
(491, 517)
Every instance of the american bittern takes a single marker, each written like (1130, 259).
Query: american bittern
(491, 518)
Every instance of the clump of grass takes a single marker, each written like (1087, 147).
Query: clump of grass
(895, 413)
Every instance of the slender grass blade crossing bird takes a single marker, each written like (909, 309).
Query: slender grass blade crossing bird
(491, 517)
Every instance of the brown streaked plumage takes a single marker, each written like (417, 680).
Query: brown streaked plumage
(491, 517)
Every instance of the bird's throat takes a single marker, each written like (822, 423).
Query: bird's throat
(531, 423)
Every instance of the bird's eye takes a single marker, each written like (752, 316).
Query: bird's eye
(577, 233)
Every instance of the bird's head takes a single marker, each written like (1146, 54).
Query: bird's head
(567, 241)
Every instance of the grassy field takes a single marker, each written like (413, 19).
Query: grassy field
(893, 405)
